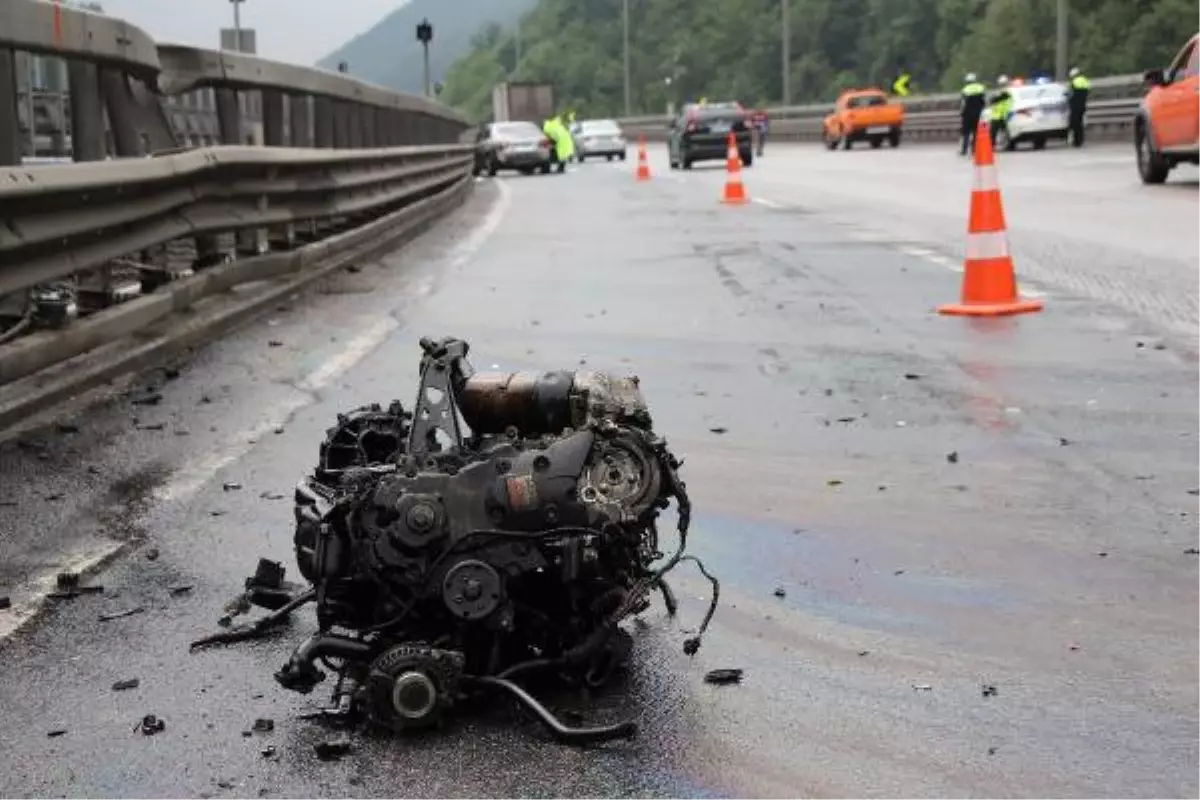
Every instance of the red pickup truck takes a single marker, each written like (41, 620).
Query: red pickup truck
(1166, 130)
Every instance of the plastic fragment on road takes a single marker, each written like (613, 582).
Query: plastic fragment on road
(723, 677)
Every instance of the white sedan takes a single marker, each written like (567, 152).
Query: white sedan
(599, 137)
(1039, 112)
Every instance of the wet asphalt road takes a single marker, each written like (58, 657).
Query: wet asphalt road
(1046, 558)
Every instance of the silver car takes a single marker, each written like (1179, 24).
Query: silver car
(512, 145)
(599, 137)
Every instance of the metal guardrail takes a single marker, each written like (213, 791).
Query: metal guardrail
(290, 197)
(145, 224)
(1114, 100)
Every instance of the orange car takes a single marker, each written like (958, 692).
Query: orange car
(1167, 128)
(863, 115)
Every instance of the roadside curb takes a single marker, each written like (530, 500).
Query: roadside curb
(205, 319)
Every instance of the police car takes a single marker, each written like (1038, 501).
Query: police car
(1039, 112)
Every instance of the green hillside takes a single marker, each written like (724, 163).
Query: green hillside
(731, 48)
(390, 55)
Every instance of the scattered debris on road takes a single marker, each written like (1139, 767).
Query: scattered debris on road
(129, 612)
(268, 751)
(862, 653)
(148, 398)
(152, 426)
(1192, 551)
(922, 687)
(1063, 441)
(952, 457)
(274, 343)
(834, 482)
(719, 430)
(722, 677)
(332, 750)
(231, 486)
(66, 427)
(152, 554)
(912, 376)
(54, 734)
(272, 496)
(988, 690)
(779, 592)
(264, 725)
(126, 685)
(150, 725)
(69, 587)
(176, 591)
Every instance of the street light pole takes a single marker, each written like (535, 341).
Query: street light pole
(425, 36)
(237, 24)
(1060, 50)
(785, 33)
(628, 92)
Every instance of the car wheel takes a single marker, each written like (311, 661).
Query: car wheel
(1152, 167)
(1039, 143)
(876, 142)
(846, 143)
(545, 169)
(1004, 141)
(686, 163)
(621, 156)
(832, 144)
(894, 137)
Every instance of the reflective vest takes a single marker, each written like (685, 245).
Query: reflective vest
(1000, 109)
(1080, 83)
(972, 89)
(900, 86)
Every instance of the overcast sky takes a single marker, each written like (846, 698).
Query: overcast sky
(299, 31)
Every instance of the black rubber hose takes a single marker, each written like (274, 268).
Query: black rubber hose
(562, 733)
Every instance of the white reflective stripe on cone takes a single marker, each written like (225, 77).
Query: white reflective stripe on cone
(986, 179)
(987, 245)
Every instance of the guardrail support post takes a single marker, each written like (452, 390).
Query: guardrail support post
(10, 125)
(279, 237)
(341, 125)
(383, 128)
(301, 120)
(366, 120)
(323, 121)
(87, 112)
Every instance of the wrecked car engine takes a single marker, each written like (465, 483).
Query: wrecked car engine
(498, 532)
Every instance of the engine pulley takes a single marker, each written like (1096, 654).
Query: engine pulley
(472, 590)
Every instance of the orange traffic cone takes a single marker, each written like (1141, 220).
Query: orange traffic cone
(735, 191)
(989, 286)
(643, 166)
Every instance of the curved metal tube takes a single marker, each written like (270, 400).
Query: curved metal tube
(564, 734)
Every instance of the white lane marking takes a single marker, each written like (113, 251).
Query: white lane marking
(28, 600)
(932, 256)
(762, 201)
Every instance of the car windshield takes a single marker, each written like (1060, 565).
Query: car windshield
(1039, 95)
(717, 112)
(514, 131)
(866, 101)
(602, 127)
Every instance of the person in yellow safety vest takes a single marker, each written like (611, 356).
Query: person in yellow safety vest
(970, 110)
(1077, 100)
(998, 112)
(564, 145)
(901, 86)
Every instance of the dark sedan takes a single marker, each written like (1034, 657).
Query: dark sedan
(701, 133)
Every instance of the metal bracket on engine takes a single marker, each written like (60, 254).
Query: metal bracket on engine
(444, 369)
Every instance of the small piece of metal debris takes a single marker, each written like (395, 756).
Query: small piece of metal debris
(722, 677)
(719, 429)
(175, 591)
(54, 497)
(264, 725)
(898, 572)
(109, 617)
(1073, 647)
(1102, 554)
(779, 592)
(1192, 551)
(833, 482)
(911, 376)
(332, 750)
(125, 685)
(988, 690)
(216, 513)
(1063, 441)
(66, 427)
(922, 687)
(231, 486)
(147, 399)
(278, 430)
(150, 725)
(152, 554)
(272, 496)
(952, 457)
(847, 419)
(223, 784)
(991, 751)
(152, 426)
(274, 343)
(862, 653)
(54, 734)
(268, 751)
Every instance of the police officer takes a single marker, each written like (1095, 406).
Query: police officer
(901, 87)
(970, 109)
(999, 109)
(563, 145)
(1077, 99)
